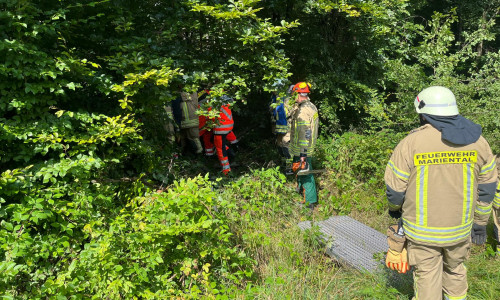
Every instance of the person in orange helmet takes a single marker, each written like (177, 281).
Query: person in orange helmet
(303, 135)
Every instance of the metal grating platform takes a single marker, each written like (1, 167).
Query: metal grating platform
(351, 242)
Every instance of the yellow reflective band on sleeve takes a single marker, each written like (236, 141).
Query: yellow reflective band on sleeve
(281, 128)
(468, 183)
(484, 210)
(315, 116)
(303, 123)
(496, 200)
(421, 197)
(488, 168)
(446, 157)
(399, 173)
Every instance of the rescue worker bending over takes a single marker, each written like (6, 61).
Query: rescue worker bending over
(223, 127)
(207, 136)
(303, 135)
(438, 175)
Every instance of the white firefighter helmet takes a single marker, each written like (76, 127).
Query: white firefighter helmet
(437, 101)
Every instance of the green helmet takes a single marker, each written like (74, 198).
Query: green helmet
(437, 101)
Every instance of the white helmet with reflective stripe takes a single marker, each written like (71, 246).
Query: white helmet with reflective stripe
(437, 101)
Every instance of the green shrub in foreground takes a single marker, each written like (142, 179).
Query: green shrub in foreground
(175, 243)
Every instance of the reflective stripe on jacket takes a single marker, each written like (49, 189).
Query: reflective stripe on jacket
(304, 129)
(225, 121)
(280, 114)
(189, 105)
(439, 186)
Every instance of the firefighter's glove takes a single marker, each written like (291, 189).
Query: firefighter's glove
(397, 261)
(397, 256)
(478, 234)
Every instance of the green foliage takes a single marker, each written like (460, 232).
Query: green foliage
(357, 163)
(43, 210)
(75, 80)
(161, 245)
(435, 57)
(359, 158)
(258, 194)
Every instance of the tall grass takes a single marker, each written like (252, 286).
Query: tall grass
(291, 264)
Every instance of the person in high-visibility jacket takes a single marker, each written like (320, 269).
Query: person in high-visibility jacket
(303, 135)
(437, 178)
(280, 115)
(224, 124)
(207, 136)
(187, 120)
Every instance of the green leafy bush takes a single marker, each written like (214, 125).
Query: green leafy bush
(356, 164)
(359, 157)
(175, 243)
(259, 196)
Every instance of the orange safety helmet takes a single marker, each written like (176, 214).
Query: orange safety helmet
(302, 87)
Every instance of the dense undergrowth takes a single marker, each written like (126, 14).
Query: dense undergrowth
(237, 237)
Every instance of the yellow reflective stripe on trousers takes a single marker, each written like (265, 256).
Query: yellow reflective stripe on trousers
(421, 197)
(415, 286)
(468, 183)
(448, 297)
(488, 168)
(438, 235)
